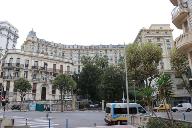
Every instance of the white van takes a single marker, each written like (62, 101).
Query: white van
(182, 107)
(116, 113)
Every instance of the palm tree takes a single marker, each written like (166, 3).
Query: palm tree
(147, 93)
(64, 83)
(165, 89)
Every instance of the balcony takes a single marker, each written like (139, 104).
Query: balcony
(34, 67)
(7, 66)
(42, 68)
(184, 42)
(179, 16)
(174, 2)
(11, 77)
(12, 65)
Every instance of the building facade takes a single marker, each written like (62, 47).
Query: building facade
(8, 36)
(182, 19)
(74, 52)
(161, 34)
(38, 69)
(39, 62)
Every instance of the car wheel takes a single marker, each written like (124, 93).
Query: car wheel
(174, 110)
(188, 110)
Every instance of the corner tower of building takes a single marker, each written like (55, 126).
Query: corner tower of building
(8, 36)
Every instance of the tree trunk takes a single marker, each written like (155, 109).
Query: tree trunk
(61, 100)
(21, 104)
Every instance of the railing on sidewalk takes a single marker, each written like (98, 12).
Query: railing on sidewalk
(139, 120)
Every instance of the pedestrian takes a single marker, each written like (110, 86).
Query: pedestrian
(7, 104)
(3, 104)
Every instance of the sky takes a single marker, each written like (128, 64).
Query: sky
(85, 22)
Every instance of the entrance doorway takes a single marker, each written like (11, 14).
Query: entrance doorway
(43, 93)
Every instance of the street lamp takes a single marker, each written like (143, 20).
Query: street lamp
(126, 82)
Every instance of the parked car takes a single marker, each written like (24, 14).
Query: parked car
(162, 108)
(182, 107)
(16, 107)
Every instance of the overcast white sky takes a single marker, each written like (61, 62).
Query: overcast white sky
(85, 22)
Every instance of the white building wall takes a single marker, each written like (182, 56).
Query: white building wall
(8, 35)
(40, 75)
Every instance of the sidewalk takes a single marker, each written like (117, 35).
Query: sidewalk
(114, 126)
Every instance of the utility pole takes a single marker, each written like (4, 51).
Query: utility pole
(126, 82)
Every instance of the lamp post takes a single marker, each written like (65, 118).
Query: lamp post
(126, 82)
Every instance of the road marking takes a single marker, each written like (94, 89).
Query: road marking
(34, 123)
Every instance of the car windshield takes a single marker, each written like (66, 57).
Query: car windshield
(179, 105)
(141, 110)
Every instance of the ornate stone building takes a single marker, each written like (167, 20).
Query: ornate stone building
(8, 36)
(39, 61)
(74, 52)
(39, 69)
(161, 34)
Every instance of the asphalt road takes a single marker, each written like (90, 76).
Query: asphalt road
(57, 119)
(187, 116)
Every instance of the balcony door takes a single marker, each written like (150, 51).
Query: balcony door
(43, 93)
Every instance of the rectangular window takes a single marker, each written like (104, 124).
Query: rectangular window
(11, 60)
(34, 76)
(36, 63)
(45, 66)
(61, 69)
(149, 40)
(54, 67)
(53, 90)
(68, 69)
(124, 110)
(108, 110)
(34, 87)
(18, 61)
(16, 74)
(25, 74)
(158, 39)
(8, 86)
(26, 63)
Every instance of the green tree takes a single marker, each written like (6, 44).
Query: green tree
(142, 61)
(22, 86)
(113, 82)
(180, 64)
(64, 83)
(147, 93)
(165, 89)
(89, 79)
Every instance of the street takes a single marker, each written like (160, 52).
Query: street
(58, 120)
(75, 119)
(187, 116)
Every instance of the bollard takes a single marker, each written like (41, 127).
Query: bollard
(13, 122)
(183, 116)
(47, 115)
(26, 121)
(49, 123)
(66, 123)
(95, 124)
